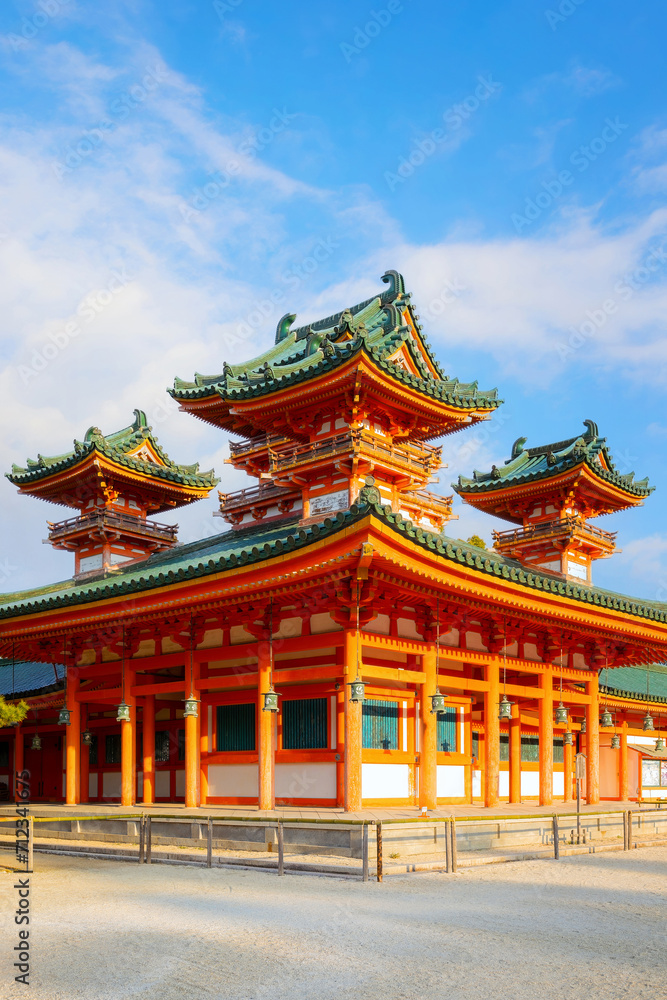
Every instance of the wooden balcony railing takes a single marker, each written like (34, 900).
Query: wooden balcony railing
(265, 492)
(421, 458)
(570, 525)
(112, 521)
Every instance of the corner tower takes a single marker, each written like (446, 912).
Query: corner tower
(114, 482)
(354, 395)
(552, 492)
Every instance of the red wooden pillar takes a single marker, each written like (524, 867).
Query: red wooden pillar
(128, 733)
(192, 755)
(491, 734)
(593, 742)
(353, 736)
(148, 763)
(84, 756)
(18, 762)
(205, 741)
(73, 740)
(428, 761)
(545, 712)
(623, 776)
(266, 728)
(515, 755)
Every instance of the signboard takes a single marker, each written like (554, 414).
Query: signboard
(329, 502)
(580, 767)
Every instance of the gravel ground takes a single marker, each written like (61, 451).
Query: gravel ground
(590, 926)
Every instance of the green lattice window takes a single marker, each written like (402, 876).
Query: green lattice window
(475, 745)
(181, 744)
(92, 750)
(447, 730)
(4, 753)
(305, 724)
(530, 749)
(235, 727)
(559, 751)
(504, 746)
(380, 725)
(162, 746)
(112, 748)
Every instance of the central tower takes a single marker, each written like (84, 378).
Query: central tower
(354, 395)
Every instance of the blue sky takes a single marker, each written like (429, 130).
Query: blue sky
(167, 168)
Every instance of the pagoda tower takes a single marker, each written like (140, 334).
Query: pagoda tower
(356, 395)
(552, 492)
(114, 482)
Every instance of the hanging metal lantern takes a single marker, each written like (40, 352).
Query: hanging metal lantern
(64, 717)
(270, 701)
(660, 743)
(437, 702)
(505, 709)
(87, 737)
(606, 721)
(583, 725)
(191, 710)
(647, 724)
(568, 739)
(36, 742)
(357, 690)
(123, 714)
(615, 742)
(561, 714)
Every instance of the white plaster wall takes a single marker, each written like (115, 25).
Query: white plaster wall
(111, 785)
(180, 783)
(559, 782)
(92, 786)
(476, 784)
(323, 623)
(530, 783)
(306, 781)
(504, 784)
(162, 785)
(385, 781)
(450, 780)
(233, 780)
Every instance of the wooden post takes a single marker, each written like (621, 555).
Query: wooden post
(378, 835)
(149, 839)
(568, 763)
(492, 734)
(515, 755)
(204, 738)
(281, 849)
(454, 848)
(142, 836)
(364, 852)
(546, 735)
(623, 775)
(31, 843)
(209, 843)
(446, 846)
(353, 737)
(428, 761)
(148, 721)
(593, 742)
(266, 728)
(128, 763)
(192, 752)
(73, 740)
(18, 761)
(556, 843)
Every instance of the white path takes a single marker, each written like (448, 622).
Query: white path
(590, 927)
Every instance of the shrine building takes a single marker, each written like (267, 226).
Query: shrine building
(334, 645)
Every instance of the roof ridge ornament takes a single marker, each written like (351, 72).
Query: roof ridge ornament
(396, 283)
(283, 327)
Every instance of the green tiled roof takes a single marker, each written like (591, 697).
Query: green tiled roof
(238, 548)
(530, 464)
(375, 326)
(20, 679)
(116, 447)
(631, 682)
